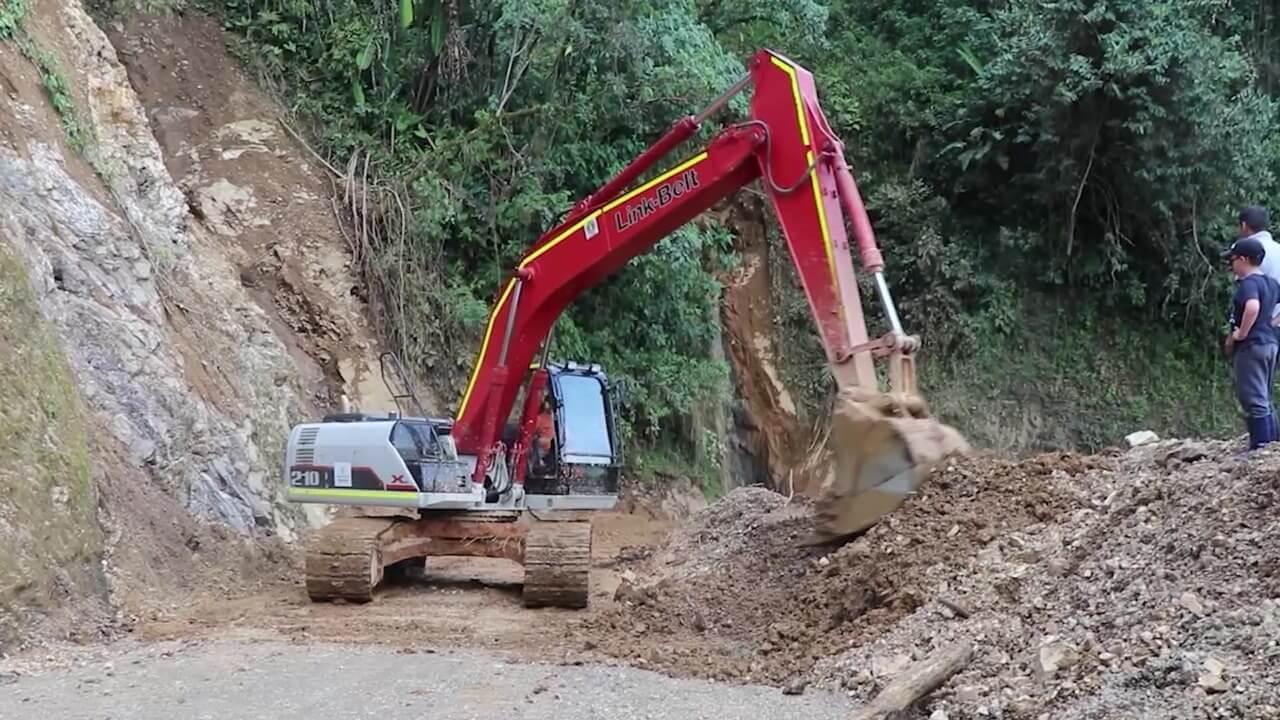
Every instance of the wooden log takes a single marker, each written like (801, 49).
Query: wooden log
(916, 682)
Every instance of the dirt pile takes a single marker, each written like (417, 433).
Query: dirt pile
(1142, 584)
(1155, 597)
(737, 595)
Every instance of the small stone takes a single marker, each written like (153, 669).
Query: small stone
(628, 593)
(699, 623)
(1214, 666)
(1058, 567)
(1213, 683)
(890, 666)
(824, 561)
(1056, 655)
(1189, 601)
(1029, 556)
(989, 556)
(1140, 438)
(539, 689)
(795, 688)
(968, 694)
(939, 715)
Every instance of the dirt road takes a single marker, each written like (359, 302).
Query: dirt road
(462, 603)
(457, 645)
(281, 681)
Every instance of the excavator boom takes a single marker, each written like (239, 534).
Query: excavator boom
(882, 448)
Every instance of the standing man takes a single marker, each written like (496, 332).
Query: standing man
(1252, 343)
(1255, 223)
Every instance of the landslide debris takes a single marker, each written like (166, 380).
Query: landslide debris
(1135, 584)
(736, 595)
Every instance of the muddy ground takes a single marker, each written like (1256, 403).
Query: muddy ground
(471, 602)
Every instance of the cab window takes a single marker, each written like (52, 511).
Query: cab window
(584, 424)
(409, 442)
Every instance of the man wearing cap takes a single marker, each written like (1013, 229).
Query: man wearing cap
(1252, 343)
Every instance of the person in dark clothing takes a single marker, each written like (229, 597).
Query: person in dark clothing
(1254, 222)
(1252, 344)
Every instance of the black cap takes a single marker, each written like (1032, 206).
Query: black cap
(1248, 248)
(1256, 217)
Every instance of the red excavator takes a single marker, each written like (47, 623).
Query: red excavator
(471, 483)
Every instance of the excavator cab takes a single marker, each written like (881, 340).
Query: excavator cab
(585, 455)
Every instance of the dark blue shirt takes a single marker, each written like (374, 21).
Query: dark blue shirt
(1267, 292)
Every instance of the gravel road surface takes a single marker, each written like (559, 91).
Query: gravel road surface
(249, 680)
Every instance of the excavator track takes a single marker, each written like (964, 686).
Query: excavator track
(557, 565)
(349, 558)
(344, 559)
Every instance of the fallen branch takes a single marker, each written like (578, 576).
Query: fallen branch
(916, 682)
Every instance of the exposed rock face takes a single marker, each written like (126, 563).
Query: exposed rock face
(194, 368)
(96, 282)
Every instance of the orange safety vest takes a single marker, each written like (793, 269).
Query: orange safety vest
(544, 431)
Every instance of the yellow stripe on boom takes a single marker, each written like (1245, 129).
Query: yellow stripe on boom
(484, 346)
(493, 316)
(664, 176)
(817, 190)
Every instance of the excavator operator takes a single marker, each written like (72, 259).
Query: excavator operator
(544, 432)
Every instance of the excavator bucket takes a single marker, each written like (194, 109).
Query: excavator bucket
(881, 447)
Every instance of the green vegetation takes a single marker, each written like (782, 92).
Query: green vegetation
(485, 123)
(11, 16)
(1080, 379)
(55, 84)
(46, 491)
(1049, 181)
(79, 138)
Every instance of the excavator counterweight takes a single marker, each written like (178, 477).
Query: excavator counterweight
(561, 452)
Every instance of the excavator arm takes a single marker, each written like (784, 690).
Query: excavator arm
(788, 145)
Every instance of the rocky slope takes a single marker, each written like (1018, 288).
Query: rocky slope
(183, 251)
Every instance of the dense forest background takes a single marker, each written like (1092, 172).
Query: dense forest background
(1050, 182)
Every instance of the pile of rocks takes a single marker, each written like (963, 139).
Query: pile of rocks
(1158, 595)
